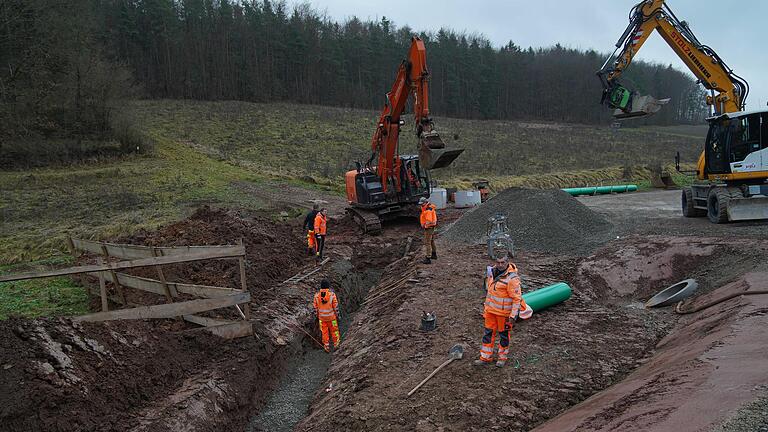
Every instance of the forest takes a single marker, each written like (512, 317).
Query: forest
(69, 64)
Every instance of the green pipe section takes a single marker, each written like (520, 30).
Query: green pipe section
(548, 296)
(600, 190)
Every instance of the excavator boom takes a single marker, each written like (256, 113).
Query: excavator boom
(733, 168)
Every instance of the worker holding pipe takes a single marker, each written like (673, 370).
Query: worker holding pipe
(428, 219)
(327, 311)
(309, 225)
(321, 220)
(503, 303)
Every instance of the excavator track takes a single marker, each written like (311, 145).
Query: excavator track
(367, 220)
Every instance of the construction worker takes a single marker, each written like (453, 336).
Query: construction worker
(503, 302)
(309, 225)
(327, 311)
(428, 219)
(321, 220)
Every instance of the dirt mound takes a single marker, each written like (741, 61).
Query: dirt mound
(273, 250)
(539, 220)
(60, 376)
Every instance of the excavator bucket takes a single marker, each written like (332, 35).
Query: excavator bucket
(741, 209)
(433, 154)
(640, 106)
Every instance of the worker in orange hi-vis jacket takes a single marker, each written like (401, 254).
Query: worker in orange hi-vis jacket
(327, 310)
(309, 226)
(503, 303)
(428, 220)
(321, 221)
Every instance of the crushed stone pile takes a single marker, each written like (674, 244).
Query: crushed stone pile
(539, 220)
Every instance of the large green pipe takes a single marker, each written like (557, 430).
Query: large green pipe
(600, 190)
(548, 296)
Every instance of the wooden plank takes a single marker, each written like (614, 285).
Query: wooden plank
(144, 262)
(205, 321)
(154, 286)
(232, 330)
(129, 251)
(167, 310)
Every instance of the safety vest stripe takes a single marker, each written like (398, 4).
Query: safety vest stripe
(503, 300)
(503, 308)
(486, 349)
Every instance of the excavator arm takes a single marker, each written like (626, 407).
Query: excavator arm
(412, 79)
(728, 91)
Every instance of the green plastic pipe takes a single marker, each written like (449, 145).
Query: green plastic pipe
(548, 296)
(600, 190)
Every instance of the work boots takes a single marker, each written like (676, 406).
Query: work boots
(427, 261)
(479, 362)
(434, 255)
(501, 363)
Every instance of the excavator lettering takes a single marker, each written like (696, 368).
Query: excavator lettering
(733, 168)
(389, 184)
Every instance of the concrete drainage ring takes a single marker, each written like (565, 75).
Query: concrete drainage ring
(673, 294)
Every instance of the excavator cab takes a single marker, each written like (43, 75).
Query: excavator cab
(432, 151)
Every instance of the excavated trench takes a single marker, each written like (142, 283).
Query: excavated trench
(351, 277)
(309, 363)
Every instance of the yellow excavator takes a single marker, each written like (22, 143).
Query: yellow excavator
(733, 168)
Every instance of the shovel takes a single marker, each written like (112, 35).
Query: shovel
(455, 353)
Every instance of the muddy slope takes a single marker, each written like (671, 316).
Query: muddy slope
(560, 357)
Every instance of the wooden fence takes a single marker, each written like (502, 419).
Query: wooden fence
(132, 256)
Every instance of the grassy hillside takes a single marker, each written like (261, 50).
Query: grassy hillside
(205, 151)
(325, 141)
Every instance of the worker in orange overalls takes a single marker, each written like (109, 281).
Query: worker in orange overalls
(327, 310)
(428, 219)
(503, 302)
(321, 220)
(309, 225)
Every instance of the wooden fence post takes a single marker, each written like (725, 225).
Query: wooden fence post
(102, 288)
(244, 283)
(120, 292)
(161, 277)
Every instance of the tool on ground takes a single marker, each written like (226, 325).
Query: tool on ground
(455, 353)
(303, 275)
(499, 240)
(428, 321)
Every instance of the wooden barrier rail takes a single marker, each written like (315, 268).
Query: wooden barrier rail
(148, 256)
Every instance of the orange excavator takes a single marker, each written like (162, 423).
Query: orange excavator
(389, 184)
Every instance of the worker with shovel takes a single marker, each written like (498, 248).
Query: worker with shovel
(327, 310)
(503, 301)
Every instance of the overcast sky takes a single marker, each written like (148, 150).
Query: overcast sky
(734, 29)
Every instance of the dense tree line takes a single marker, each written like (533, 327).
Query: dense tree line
(264, 51)
(65, 63)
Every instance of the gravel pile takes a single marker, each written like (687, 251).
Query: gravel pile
(539, 220)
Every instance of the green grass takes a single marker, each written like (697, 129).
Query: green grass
(41, 297)
(204, 151)
(41, 207)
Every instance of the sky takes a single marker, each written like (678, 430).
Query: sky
(732, 28)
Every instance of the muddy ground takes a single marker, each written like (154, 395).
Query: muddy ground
(599, 361)
(601, 338)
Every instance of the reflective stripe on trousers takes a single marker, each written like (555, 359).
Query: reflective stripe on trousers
(495, 324)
